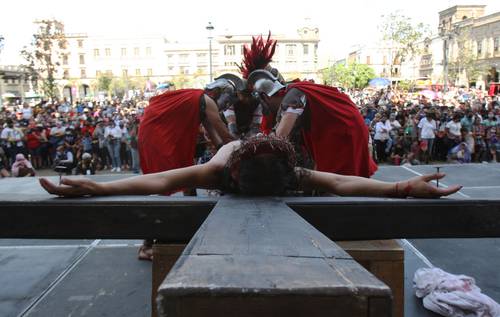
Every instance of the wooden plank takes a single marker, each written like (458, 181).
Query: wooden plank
(257, 257)
(172, 219)
(27, 212)
(385, 260)
(344, 218)
(164, 258)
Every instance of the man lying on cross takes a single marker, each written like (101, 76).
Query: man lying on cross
(259, 166)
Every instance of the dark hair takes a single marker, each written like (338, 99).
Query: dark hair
(266, 175)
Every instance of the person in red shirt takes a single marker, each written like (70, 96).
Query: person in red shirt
(33, 141)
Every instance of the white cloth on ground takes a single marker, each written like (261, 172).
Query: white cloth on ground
(452, 295)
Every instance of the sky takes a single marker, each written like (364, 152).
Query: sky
(341, 25)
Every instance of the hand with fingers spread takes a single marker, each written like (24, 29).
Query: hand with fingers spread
(420, 187)
(73, 187)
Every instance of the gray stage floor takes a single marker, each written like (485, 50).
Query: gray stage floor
(104, 277)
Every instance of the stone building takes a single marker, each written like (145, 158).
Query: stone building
(156, 59)
(470, 39)
(14, 83)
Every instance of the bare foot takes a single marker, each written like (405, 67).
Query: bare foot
(145, 253)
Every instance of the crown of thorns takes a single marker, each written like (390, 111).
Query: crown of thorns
(263, 145)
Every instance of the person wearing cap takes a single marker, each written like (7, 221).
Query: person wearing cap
(86, 166)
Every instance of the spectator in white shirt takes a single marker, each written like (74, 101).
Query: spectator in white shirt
(382, 129)
(113, 134)
(453, 131)
(427, 133)
(27, 112)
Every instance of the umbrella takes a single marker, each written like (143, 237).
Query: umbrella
(379, 82)
(429, 94)
(8, 95)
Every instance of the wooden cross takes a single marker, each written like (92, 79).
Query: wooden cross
(252, 256)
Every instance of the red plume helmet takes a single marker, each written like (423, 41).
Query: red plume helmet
(258, 56)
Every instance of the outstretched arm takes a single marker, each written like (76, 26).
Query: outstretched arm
(359, 186)
(197, 176)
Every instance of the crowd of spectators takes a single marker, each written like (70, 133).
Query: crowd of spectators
(460, 126)
(80, 138)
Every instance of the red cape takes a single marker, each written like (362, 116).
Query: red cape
(168, 130)
(338, 137)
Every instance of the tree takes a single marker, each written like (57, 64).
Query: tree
(353, 75)
(402, 36)
(44, 54)
(464, 64)
(104, 83)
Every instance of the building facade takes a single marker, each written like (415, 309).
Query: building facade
(149, 60)
(467, 49)
(14, 83)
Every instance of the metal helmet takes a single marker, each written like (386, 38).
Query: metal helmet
(224, 92)
(239, 83)
(265, 82)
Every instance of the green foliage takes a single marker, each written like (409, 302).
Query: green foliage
(104, 82)
(349, 76)
(405, 85)
(403, 36)
(44, 54)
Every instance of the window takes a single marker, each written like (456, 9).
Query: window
(148, 51)
(368, 61)
(184, 58)
(80, 43)
(96, 52)
(98, 73)
(124, 51)
(107, 51)
(496, 44)
(230, 64)
(479, 48)
(109, 73)
(83, 73)
(150, 72)
(229, 50)
(243, 49)
(136, 51)
(306, 48)
(82, 59)
(124, 72)
(170, 68)
(290, 49)
(170, 56)
(138, 72)
(201, 56)
(65, 59)
(66, 74)
(184, 70)
(385, 60)
(202, 70)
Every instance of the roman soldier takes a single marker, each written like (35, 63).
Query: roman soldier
(324, 120)
(170, 126)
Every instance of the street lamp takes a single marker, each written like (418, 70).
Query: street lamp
(210, 28)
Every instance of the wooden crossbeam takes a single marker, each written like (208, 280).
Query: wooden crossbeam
(176, 219)
(256, 257)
